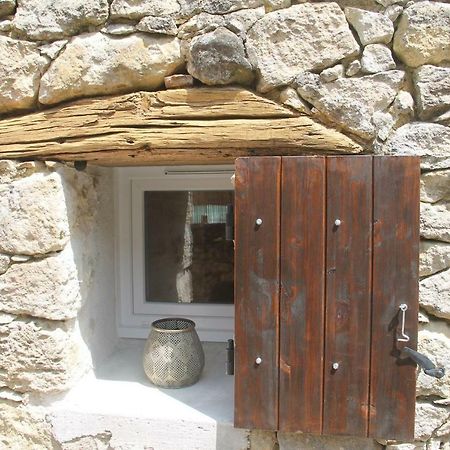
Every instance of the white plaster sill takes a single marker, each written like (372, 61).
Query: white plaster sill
(120, 399)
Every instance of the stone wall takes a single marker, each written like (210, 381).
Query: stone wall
(56, 289)
(378, 70)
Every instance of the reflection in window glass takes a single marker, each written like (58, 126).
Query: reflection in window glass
(188, 246)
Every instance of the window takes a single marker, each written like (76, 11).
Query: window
(175, 248)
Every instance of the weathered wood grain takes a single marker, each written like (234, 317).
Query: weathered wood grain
(395, 281)
(257, 190)
(302, 294)
(348, 295)
(144, 127)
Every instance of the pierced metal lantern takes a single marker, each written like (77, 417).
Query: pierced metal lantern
(173, 355)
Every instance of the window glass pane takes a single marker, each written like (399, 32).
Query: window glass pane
(188, 246)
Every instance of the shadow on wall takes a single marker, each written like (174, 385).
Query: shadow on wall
(91, 221)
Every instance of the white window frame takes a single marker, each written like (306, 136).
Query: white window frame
(214, 322)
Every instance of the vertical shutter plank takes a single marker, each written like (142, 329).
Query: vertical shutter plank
(395, 281)
(257, 190)
(348, 295)
(302, 293)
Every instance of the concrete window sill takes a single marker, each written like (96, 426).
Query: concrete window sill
(119, 399)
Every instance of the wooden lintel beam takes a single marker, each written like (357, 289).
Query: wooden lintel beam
(189, 125)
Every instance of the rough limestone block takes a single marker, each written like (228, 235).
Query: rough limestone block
(24, 427)
(435, 186)
(332, 73)
(433, 90)
(189, 8)
(430, 141)
(158, 25)
(7, 7)
(372, 28)
(403, 105)
(41, 356)
(289, 97)
(274, 5)
(407, 446)
(435, 221)
(5, 261)
(132, 9)
(437, 347)
(218, 58)
(49, 20)
(20, 258)
(53, 49)
(434, 257)
(369, 5)
(428, 419)
(46, 288)
(100, 441)
(443, 119)
(19, 77)
(442, 432)
(241, 21)
(303, 37)
(383, 123)
(119, 29)
(400, 112)
(300, 441)
(423, 34)
(393, 12)
(423, 317)
(351, 102)
(178, 81)
(5, 26)
(181, 10)
(238, 22)
(200, 24)
(13, 170)
(97, 64)
(387, 3)
(434, 294)
(353, 68)
(377, 58)
(33, 215)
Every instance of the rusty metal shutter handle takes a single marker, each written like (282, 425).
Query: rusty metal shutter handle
(425, 363)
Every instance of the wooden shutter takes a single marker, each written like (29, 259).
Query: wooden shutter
(318, 284)
(302, 303)
(395, 281)
(257, 260)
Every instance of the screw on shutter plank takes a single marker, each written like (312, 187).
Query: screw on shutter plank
(335, 366)
(258, 222)
(258, 361)
(337, 223)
